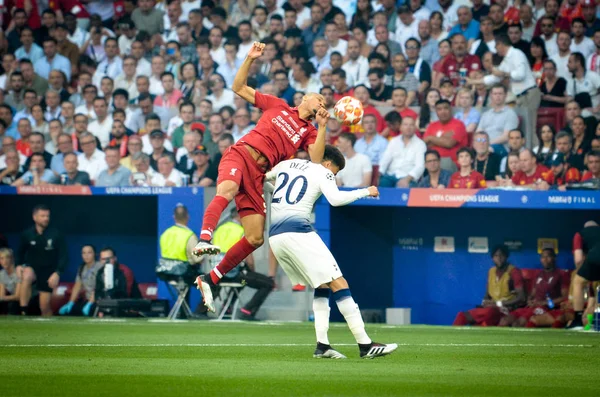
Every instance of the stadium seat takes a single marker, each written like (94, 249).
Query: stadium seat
(552, 116)
(230, 295)
(149, 290)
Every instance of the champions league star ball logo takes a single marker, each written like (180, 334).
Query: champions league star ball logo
(348, 111)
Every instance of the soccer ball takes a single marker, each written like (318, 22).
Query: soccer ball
(348, 111)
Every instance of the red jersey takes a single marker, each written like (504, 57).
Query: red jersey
(572, 175)
(23, 148)
(339, 95)
(451, 67)
(550, 283)
(75, 7)
(569, 12)
(472, 181)
(454, 129)
(587, 176)
(408, 112)
(511, 16)
(358, 128)
(521, 179)
(280, 131)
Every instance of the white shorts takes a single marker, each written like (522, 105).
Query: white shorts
(305, 258)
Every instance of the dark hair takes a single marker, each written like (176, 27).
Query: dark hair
(425, 112)
(443, 102)
(325, 87)
(578, 57)
(539, 135)
(39, 207)
(227, 137)
(166, 74)
(500, 247)
(339, 72)
(144, 95)
(503, 39)
(108, 248)
(52, 39)
(432, 151)
(508, 171)
(187, 103)
(152, 116)
(277, 17)
(519, 131)
(465, 149)
(393, 117)
(334, 155)
(89, 245)
(376, 71)
(376, 55)
(361, 25)
(307, 68)
(578, 20)
(415, 40)
(349, 136)
(550, 251)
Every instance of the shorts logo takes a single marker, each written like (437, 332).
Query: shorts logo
(232, 172)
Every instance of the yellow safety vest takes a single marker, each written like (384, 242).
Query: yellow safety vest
(173, 243)
(498, 288)
(227, 235)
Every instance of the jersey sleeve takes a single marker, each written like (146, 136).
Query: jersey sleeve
(517, 278)
(577, 242)
(335, 196)
(311, 137)
(573, 175)
(264, 101)
(272, 175)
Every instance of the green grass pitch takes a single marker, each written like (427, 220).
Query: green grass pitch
(81, 357)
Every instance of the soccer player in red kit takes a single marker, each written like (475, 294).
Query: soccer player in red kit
(467, 177)
(278, 135)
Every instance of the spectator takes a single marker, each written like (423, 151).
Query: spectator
(65, 146)
(537, 55)
(356, 66)
(459, 62)
(407, 26)
(68, 115)
(342, 89)
(85, 283)
(64, 46)
(466, 25)
(362, 94)
(52, 61)
(358, 171)
(446, 135)
(584, 85)
(29, 99)
(142, 173)
(22, 144)
(513, 165)
(447, 90)
(515, 35)
(402, 163)
(53, 109)
(593, 62)
(516, 143)
(242, 124)
(561, 173)
(403, 78)
(372, 144)
(148, 18)
(286, 92)
(399, 98)
(332, 35)
(38, 174)
(547, 147)
(487, 163)
(531, 173)
(191, 140)
(186, 113)
(499, 120)
(43, 252)
(572, 110)
(12, 170)
(15, 96)
(581, 143)
(436, 178)
(561, 58)
(167, 174)
(91, 160)
(70, 175)
(505, 291)
(428, 47)
(427, 113)
(10, 126)
(102, 126)
(380, 93)
(90, 93)
(438, 32)
(527, 21)
(466, 177)
(36, 144)
(416, 65)
(115, 174)
(554, 89)
(593, 165)
(146, 111)
(157, 141)
(201, 161)
(469, 116)
(28, 50)
(582, 44)
(10, 282)
(122, 287)
(32, 79)
(551, 285)
(564, 145)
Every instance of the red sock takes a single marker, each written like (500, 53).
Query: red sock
(460, 319)
(211, 216)
(233, 257)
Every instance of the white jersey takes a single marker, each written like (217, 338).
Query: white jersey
(299, 184)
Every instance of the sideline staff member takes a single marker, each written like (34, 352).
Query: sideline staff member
(43, 252)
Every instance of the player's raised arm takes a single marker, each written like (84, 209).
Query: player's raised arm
(240, 85)
(337, 197)
(317, 149)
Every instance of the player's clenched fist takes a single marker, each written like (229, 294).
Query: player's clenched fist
(257, 50)
(322, 116)
(373, 191)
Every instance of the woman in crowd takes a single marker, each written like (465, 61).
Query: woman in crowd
(513, 166)
(546, 149)
(437, 27)
(85, 283)
(581, 145)
(537, 56)
(481, 93)
(444, 50)
(427, 113)
(359, 30)
(363, 13)
(10, 282)
(298, 97)
(384, 50)
(188, 76)
(466, 112)
(554, 88)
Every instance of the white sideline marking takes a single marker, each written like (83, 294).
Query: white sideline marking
(290, 345)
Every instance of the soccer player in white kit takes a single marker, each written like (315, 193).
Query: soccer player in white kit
(304, 256)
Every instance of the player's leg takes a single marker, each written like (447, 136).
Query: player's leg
(589, 271)
(263, 285)
(27, 279)
(351, 312)
(321, 312)
(45, 306)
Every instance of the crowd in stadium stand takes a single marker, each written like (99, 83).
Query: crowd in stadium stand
(456, 93)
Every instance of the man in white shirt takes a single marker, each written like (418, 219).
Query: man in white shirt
(158, 68)
(357, 66)
(359, 170)
(563, 41)
(407, 26)
(112, 66)
(102, 126)
(583, 81)
(580, 42)
(449, 10)
(217, 51)
(92, 159)
(333, 39)
(245, 35)
(167, 174)
(303, 19)
(549, 35)
(593, 62)
(143, 68)
(403, 161)
(126, 80)
(89, 93)
(515, 66)
(321, 58)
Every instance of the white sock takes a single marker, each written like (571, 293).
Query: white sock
(321, 311)
(349, 310)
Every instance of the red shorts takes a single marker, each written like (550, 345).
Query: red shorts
(237, 165)
(486, 316)
(528, 312)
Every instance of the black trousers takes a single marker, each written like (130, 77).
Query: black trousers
(590, 269)
(263, 284)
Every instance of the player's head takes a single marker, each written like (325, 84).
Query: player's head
(310, 104)
(548, 258)
(500, 255)
(333, 159)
